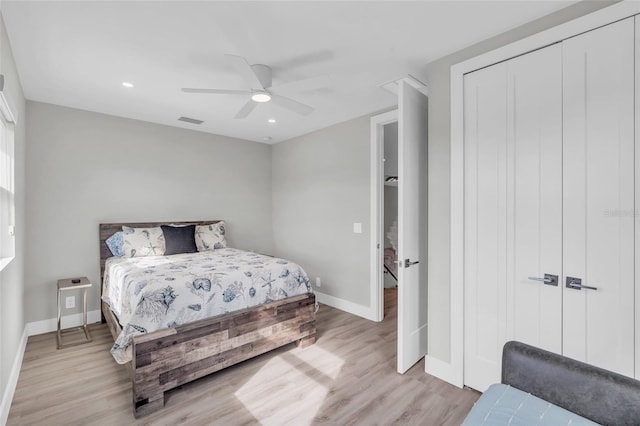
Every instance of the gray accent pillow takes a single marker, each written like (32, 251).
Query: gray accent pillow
(179, 239)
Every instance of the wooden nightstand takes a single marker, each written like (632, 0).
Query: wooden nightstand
(74, 284)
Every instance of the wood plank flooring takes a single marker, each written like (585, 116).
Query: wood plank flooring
(348, 377)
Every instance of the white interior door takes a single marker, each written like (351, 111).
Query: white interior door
(412, 226)
(534, 215)
(598, 186)
(485, 198)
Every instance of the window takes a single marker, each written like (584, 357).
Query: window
(7, 184)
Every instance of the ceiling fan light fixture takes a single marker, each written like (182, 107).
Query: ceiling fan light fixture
(260, 97)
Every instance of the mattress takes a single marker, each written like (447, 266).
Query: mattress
(155, 292)
(506, 405)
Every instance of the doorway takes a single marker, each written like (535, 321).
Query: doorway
(378, 238)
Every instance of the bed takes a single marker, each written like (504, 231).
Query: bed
(169, 346)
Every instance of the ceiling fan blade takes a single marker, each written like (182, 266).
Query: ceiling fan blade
(312, 83)
(242, 66)
(246, 109)
(217, 91)
(291, 105)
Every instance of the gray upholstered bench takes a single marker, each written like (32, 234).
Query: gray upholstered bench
(542, 388)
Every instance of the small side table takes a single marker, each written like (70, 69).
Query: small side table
(74, 284)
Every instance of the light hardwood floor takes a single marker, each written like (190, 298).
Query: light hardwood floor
(348, 377)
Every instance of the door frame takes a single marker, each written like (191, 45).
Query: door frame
(377, 232)
(452, 370)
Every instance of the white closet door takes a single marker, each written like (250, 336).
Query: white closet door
(485, 128)
(534, 308)
(598, 186)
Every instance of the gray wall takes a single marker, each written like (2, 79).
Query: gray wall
(320, 188)
(85, 168)
(391, 149)
(438, 82)
(12, 277)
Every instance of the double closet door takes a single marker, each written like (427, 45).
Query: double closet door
(549, 204)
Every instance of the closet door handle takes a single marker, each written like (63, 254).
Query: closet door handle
(576, 284)
(548, 279)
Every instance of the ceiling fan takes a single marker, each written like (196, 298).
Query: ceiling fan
(258, 77)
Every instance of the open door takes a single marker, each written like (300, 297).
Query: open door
(412, 226)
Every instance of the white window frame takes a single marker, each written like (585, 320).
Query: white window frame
(7, 182)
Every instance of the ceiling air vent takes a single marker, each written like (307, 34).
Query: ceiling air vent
(190, 120)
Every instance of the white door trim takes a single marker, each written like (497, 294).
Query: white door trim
(452, 370)
(637, 200)
(377, 169)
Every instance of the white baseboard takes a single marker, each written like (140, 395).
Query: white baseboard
(442, 370)
(7, 395)
(31, 329)
(344, 305)
(51, 324)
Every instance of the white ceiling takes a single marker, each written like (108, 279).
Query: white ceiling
(77, 54)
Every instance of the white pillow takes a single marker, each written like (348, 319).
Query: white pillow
(211, 237)
(140, 242)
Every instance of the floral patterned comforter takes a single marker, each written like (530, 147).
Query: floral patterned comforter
(155, 292)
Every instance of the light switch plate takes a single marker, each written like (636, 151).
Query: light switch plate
(357, 228)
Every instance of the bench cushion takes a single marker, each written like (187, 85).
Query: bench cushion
(602, 396)
(506, 405)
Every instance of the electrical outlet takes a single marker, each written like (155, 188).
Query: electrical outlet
(70, 302)
(318, 282)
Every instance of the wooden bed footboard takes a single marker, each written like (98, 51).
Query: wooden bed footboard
(165, 359)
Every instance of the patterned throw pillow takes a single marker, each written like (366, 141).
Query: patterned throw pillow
(211, 237)
(115, 243)
(140, 242)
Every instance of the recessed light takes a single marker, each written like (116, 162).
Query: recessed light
(267, 138)
(127, 84)
(271, 120)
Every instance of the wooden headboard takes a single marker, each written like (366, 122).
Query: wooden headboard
(108, 229)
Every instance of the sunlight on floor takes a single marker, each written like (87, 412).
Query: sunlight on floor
(298, 381)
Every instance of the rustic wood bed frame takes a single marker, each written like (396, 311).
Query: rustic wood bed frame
(165, 359)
